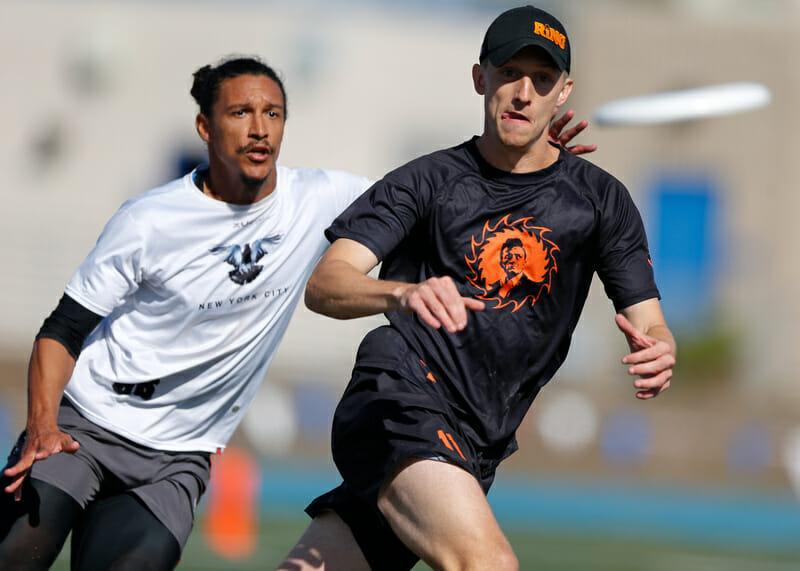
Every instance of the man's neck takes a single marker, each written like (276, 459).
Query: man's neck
(537, 156)
(236, 190)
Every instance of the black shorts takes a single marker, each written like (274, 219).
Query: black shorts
(390, 412)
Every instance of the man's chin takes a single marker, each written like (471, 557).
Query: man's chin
(253, 181)
(519, 138)
(520, 143)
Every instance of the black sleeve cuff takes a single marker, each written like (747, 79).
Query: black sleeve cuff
(69, 324)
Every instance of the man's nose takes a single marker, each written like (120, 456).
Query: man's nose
(525, 89)
(258, 127)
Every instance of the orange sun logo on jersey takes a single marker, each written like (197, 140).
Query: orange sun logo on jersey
(512, 263)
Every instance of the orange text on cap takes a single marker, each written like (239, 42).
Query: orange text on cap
(550, 33)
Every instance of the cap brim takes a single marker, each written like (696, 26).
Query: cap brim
(500, 56)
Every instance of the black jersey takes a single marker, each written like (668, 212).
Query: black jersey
(526, 244)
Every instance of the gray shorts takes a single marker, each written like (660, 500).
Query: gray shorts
(169, 483)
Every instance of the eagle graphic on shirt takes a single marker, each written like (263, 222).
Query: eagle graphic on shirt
(512, 263)
(243, 259)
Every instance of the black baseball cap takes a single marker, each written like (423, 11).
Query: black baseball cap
(521, 27)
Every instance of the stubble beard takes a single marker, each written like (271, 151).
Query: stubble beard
(253, 183)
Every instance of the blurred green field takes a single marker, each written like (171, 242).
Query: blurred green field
(536, 551)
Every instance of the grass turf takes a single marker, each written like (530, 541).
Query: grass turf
(535, 550)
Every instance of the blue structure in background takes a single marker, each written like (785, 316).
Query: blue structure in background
(685, 246)
(626, 437)
(186, 161)
(750, 448)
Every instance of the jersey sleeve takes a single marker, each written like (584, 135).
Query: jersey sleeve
(113, 269)
(381, 217)
(624, 264)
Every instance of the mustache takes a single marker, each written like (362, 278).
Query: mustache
(255, 144)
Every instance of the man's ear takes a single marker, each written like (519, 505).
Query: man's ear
(478, 80)
(565, 91)
(203, 127)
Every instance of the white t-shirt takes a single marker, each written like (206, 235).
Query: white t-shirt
(197, 295)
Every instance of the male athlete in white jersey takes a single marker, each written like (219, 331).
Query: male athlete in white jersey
(163, 335)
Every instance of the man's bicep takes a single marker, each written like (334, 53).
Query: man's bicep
(354, 253)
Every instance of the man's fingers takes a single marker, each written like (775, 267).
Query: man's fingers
(417, 305)
(636, 338)
(15, 487)
(570, 133)
(624, 325)
(653, 392)
(438, 303)
(473, 304)
(650, 368)
(653, 380)
(650, 353)
(558, 124)
(582, 149)
(23, 464)
(453, 315)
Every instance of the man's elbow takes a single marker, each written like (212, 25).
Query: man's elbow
(314, 298)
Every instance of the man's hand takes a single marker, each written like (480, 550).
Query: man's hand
(37, 445)
(556, 136)
(650, 359)
(438, 303)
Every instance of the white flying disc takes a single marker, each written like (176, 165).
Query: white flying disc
(683, 104)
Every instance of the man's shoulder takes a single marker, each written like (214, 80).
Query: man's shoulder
(591, 177)
(157, 197)
(311, 179)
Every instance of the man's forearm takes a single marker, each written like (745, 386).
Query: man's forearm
(49, 371)
(338, 289)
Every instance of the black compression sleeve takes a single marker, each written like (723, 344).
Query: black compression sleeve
(69, 324)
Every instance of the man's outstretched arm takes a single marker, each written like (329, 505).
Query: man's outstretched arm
(55, 351)
(339, 287)
(48, 373)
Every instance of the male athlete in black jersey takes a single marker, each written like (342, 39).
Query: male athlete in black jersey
(488, 250)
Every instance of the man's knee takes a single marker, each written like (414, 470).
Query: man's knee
(327, 543)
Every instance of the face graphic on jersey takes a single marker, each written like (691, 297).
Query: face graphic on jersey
(512, 263)
(244, 258)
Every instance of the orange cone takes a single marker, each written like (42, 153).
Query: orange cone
(231, 522)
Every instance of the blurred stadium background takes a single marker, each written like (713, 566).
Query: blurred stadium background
(97, 109)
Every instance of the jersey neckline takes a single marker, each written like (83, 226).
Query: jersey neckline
(191, 181)
(495, 174)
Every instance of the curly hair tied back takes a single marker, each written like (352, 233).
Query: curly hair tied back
(207, 79)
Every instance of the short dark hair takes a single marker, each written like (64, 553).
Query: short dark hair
(207, 79)
(512, 243)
